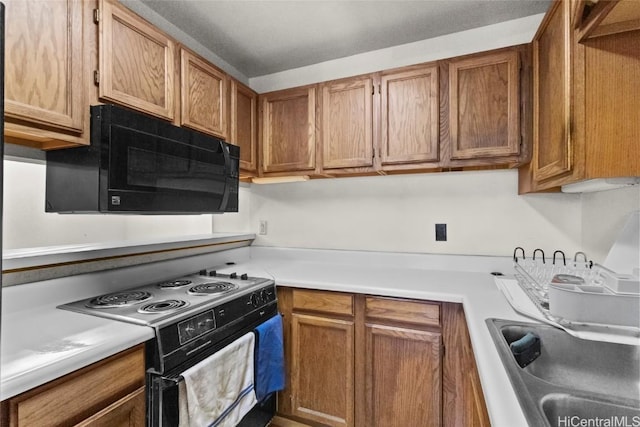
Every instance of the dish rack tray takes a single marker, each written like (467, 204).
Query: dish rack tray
(588, 308)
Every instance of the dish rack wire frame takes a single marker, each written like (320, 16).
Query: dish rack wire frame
(538, 294)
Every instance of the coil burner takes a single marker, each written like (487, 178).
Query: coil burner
(165, 306)
(174, 284)
(119, 299)
(212, 288)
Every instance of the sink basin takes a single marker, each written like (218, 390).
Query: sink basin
(571, 377)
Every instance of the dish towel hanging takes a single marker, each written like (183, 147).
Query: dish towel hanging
(269, 357)
(219, 391)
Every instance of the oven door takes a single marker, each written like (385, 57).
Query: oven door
(163, 389)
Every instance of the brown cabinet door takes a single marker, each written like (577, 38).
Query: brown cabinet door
(484, 106)
(203, 90)
(244, 124)
(322, 369)
(137, 62)
(126, 412)
(288, 130)
(551, 95)
(44, 63)
(409, 116)
(347, 119)
(403, 377)
(463, 400)
(84, 394)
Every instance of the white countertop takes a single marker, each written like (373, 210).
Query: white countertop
(50, 343)
(476, 291)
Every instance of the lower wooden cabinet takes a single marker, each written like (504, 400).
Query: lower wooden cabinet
(322, 369)
(402, 377)
(108, 393)
(368, 361)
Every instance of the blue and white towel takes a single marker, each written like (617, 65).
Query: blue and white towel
(219, 391)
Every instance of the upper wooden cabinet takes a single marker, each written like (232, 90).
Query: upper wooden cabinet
(596, 19)
(409, 116)
(288, 130)
(203, 90)
(244, 125)
(552, 95)
(347, 123)
(585, 104)
(137, 62)
(484, 105)
(46, 96)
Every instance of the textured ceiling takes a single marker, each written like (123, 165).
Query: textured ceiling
(264, 37)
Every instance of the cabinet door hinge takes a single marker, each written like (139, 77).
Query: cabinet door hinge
(96, 15)
(96, 77)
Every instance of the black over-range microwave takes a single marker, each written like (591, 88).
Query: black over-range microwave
(140, 164)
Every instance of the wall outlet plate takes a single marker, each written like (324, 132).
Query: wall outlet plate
(263, 227)
(441, 232)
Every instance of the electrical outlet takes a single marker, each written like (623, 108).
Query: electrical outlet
(441, 232)
(263, 227)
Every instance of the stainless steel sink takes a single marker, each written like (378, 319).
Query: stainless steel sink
(571, 377)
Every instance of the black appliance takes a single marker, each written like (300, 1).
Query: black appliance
(141, 164)
(193, 317)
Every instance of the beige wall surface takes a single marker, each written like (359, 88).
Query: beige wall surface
(482, 210)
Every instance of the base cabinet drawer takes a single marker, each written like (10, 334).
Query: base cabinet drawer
(106, 393)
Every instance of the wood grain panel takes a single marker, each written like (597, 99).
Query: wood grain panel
(322, 369)
(126, 412)
(409, 115)
(137, 62)
(552, 147)
(422, 313)
(323, 302)
(612, 105)
(462, 401)
(81, 394)
(288, 130)
(347, 123)
(244, 124)
(625, 16)
(484, 98)
(203, 95)
(403, 377)
(44, 63)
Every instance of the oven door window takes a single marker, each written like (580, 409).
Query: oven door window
(142, 162)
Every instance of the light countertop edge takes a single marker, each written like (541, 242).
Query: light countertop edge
(35, 257)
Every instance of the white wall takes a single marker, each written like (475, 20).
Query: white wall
(482, 210)
(603, 215)
(25, 223)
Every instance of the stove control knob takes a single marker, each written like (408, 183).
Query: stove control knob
(255, 300)
(244, 277)
(263, 296)
(233, 276)
(189, 328)
(202, 272)
(213, 273)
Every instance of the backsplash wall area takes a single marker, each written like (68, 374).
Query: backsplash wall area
(482, 210)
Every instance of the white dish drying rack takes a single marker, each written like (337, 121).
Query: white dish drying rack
(599, 304)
